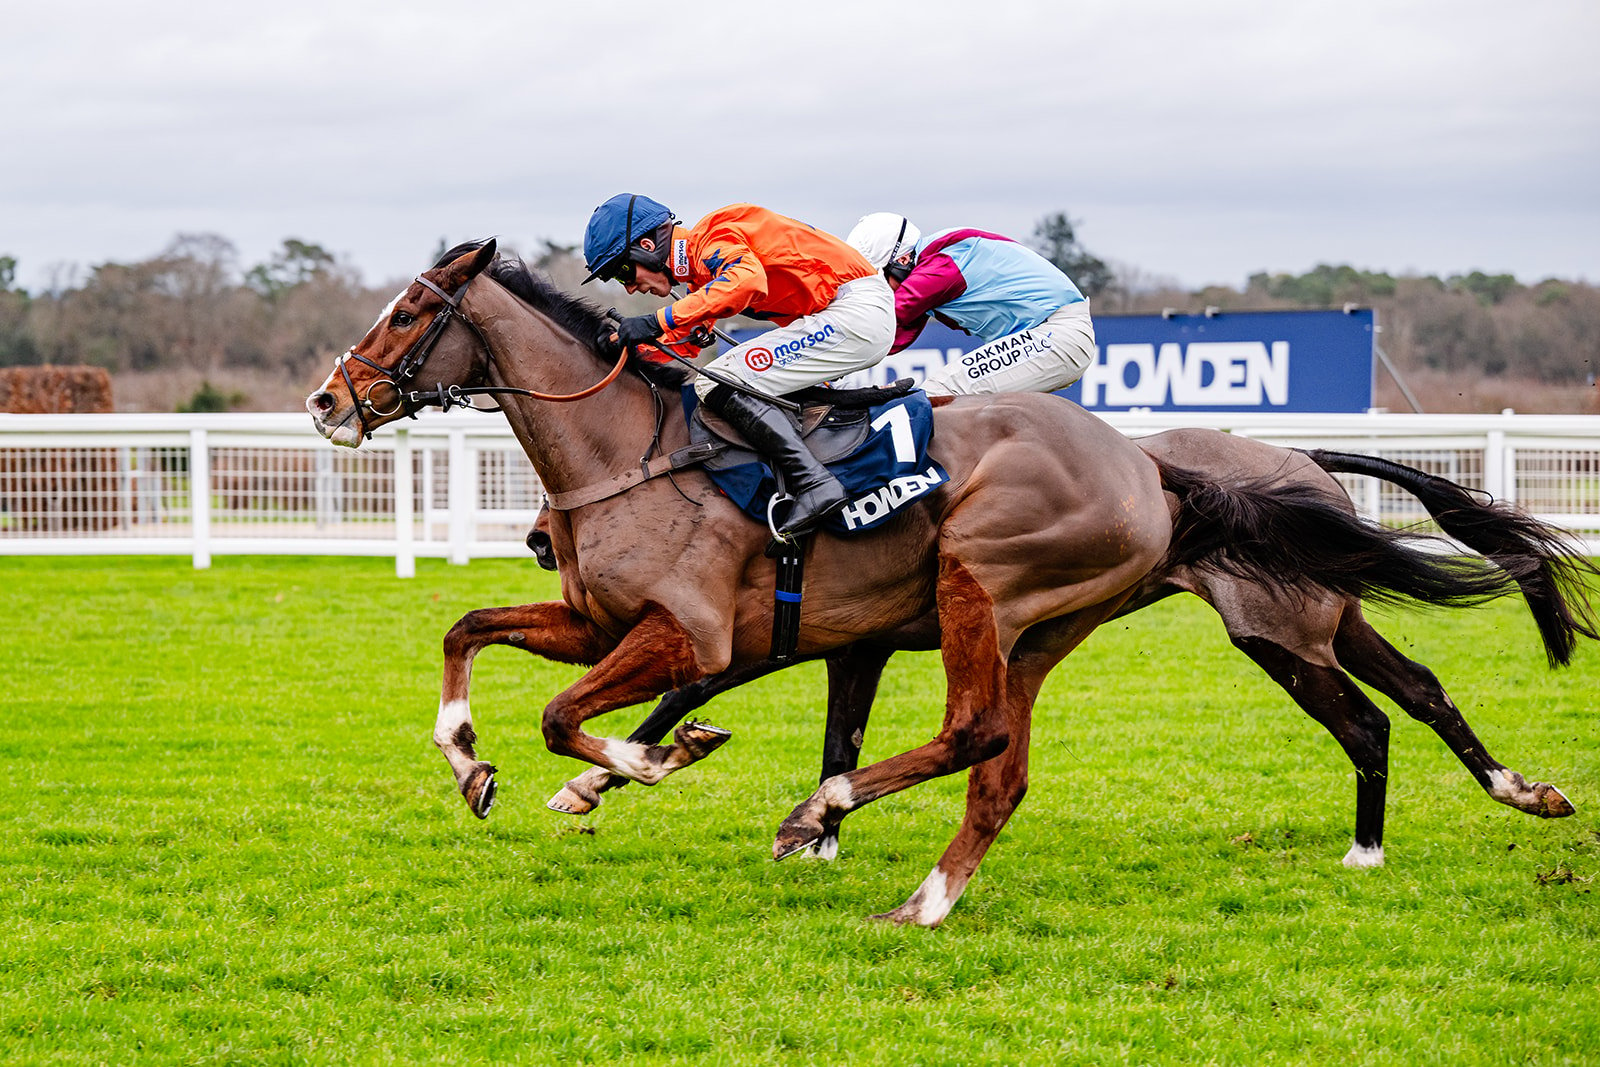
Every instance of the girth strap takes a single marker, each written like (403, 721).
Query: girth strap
(647, 469)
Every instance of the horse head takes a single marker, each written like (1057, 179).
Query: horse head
(419, 343)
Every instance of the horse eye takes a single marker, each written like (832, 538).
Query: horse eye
(402, 319)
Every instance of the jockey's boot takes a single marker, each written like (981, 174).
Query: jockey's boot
(817, 493)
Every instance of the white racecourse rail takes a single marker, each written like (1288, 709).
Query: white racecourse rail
(457, 486)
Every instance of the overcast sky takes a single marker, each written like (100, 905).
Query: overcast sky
(1199, 141)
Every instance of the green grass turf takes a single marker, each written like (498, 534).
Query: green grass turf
(226, 838)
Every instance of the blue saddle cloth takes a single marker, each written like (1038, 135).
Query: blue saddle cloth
(889, 470)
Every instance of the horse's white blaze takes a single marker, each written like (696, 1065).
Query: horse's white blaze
(452, 714)
(388, 309)
(1364, 856)
(932, 899)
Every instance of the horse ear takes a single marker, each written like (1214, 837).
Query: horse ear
(469, 265)
(482, 258)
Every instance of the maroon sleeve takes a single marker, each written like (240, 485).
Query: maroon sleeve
(932, 283)
(906, 332)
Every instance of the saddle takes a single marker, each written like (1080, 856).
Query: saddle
(831, 433)
(834, 423)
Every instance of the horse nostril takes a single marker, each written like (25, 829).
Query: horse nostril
(323, 402)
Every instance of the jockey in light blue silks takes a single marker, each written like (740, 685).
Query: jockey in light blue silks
(1033, 320)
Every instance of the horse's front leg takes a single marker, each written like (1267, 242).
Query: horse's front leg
(581, 795)
(853, 676)
(552, 630)
(658, 654)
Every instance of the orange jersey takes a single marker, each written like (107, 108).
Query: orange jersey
(744, 259)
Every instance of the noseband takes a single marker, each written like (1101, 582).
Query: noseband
(443, 396)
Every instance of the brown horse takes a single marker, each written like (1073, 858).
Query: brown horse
(1306, 644)
(1049, 523)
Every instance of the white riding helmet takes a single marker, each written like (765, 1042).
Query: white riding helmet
(889, 242)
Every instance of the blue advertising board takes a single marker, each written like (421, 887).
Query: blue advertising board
(1229, 361)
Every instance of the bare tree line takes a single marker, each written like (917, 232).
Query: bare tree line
(196, 319)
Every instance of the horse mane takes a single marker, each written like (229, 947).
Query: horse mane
(574, 315)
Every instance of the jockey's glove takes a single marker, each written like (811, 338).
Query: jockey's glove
(603, 343)
(638, 329)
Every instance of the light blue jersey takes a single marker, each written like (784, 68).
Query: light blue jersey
(987, 284)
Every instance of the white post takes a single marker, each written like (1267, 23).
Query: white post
(1372, 496)
(405, 556)
(1494, 465)
(1372, 488)
(427, 493)
(1509, 478)
(463, 497)
(200, 497)
(327, 509)
(126, 466)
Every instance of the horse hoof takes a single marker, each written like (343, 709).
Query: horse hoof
(898, 916)
(700, 739)
(799, 831)
(782, 850)
(480, 789)
(574, 799)
(1553, 804)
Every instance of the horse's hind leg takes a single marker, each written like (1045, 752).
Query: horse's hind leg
(1368, 656)
(974, 727)
(1328, 695)
(995, 788)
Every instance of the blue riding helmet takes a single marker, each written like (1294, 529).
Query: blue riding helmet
(616, 225)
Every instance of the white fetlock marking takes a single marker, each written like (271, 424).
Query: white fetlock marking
(1363, 856)
(452, 715)
(1503, 787)
(932, 899)
(628, 759)
(836, 793)
(824, 848)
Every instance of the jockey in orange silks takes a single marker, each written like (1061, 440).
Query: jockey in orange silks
(834, 313)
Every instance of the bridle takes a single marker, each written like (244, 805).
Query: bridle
(443, 396)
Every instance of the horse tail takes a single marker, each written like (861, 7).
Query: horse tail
(1536, 555)
(1297, 538)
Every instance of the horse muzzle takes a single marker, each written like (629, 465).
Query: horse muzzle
(340, 428)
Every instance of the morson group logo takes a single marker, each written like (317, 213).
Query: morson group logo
(1199, 374)
(790, 351)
